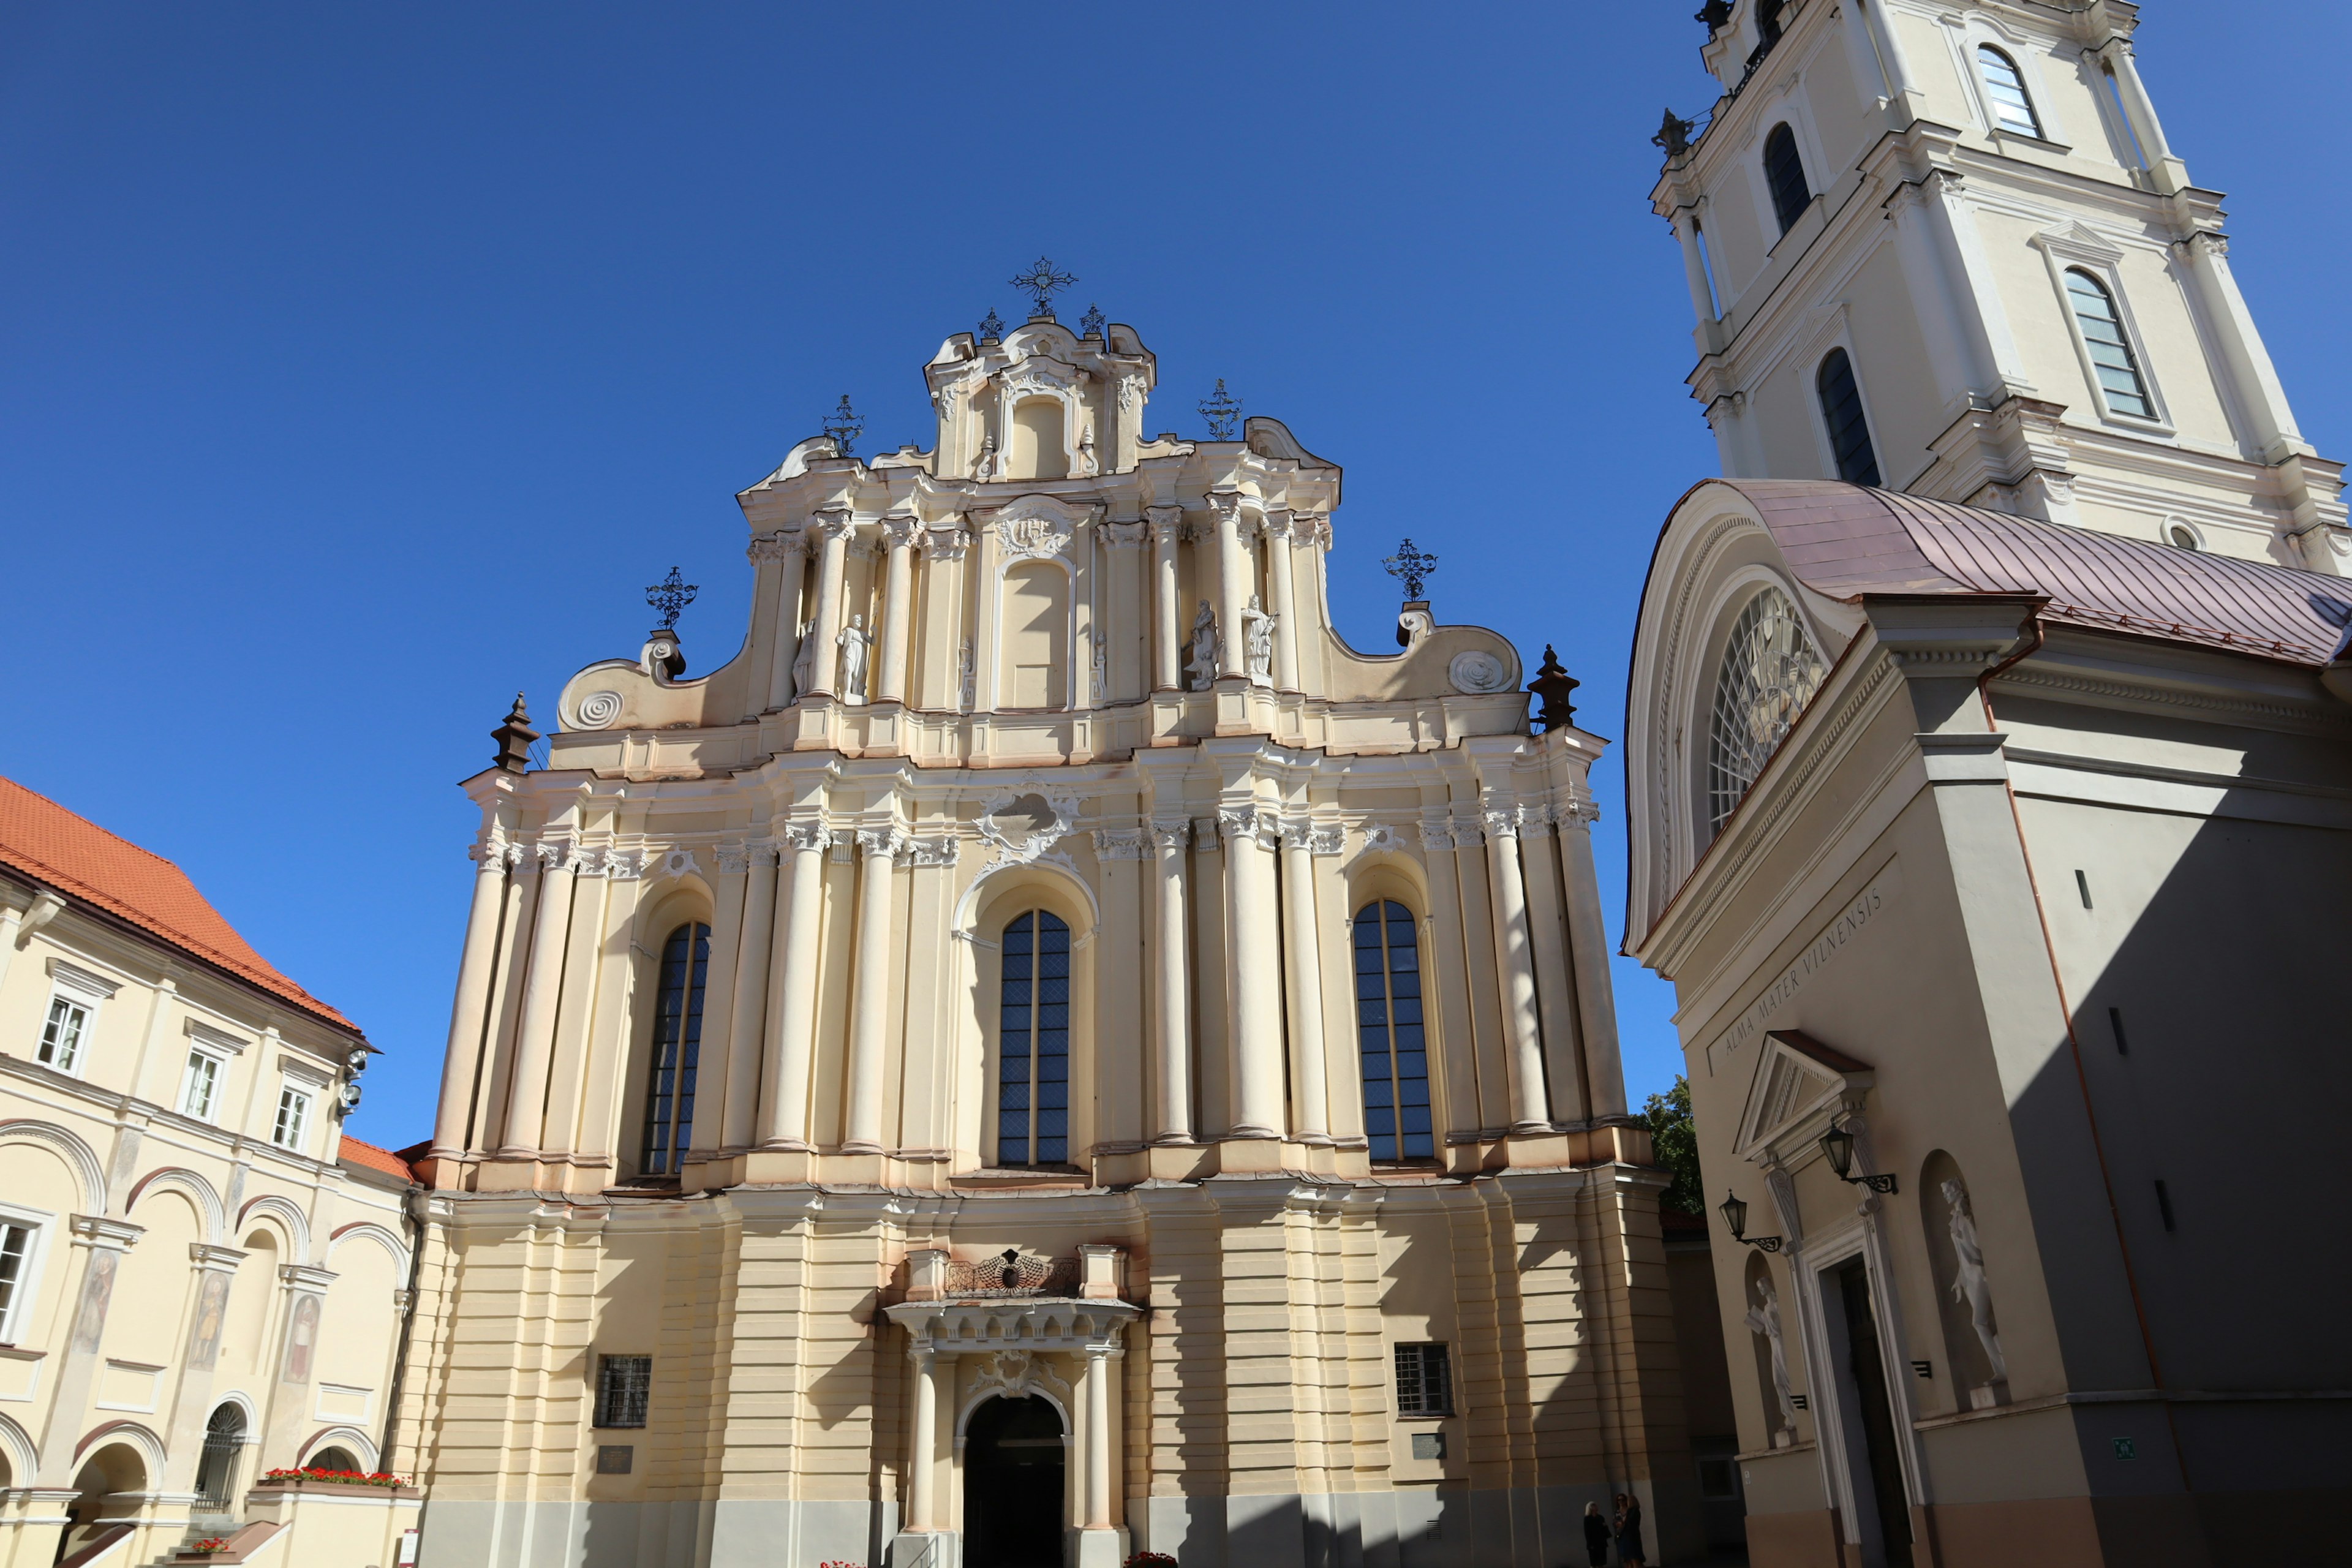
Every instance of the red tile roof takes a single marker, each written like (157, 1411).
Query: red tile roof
(45, 842)
(1844, 541)
(354, 1153)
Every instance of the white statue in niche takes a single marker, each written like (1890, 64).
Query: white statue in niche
(1764, 1318)
(1969, 1284)
(1206, 645)
(854, 641)
(805, 662)
(1257, 638)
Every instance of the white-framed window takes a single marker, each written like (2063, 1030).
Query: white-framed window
(2012, 105)
(200, 1085)
(65, 1033)
(2115, 368)
(293, 1117)
(22, 1232)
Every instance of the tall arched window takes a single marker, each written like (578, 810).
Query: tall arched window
(1857, 463)
(2111, 351)
(1784, 170)
(1770, 672)
(2006, 87)
(1033, 1077)
(1389, 1032)
(678, 1050)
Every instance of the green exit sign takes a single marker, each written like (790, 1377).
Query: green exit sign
(2125, 1450)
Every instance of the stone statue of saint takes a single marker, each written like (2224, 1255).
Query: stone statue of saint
(805, 662)
(1258, 638)
(854, 641)
(1969, 1284)
(1764, 1318)
(1206, 645)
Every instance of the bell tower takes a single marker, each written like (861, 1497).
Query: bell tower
(1947, 249)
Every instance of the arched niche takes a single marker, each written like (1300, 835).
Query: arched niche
(1034, 625)
(1037, 449)
(992, 904)
(1761, 1302)
(1964, 1298)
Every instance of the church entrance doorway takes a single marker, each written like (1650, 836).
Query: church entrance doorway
(1881, 1503)
(1013, 1489)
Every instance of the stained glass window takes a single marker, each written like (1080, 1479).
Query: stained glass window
(1033, 1084)
(1770, 672)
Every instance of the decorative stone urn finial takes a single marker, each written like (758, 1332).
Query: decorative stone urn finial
(514, 738)
(1553, 686)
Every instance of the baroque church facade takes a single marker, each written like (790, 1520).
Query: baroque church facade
(1048, 1053)
(1987, 735)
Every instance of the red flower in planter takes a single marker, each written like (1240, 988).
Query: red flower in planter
(1151, 1560)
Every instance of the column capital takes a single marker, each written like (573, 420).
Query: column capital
(1226, 506)
(900, 532)
(1278, 522)
(947, 540)
(1250, 825)
(807, 835)
(1167, 522)
(886, 843)
(214, 1260)
(1120, 844)
(828, 526)
(782, 544)
(107, 1234)
(1124, 535)
(1171, 835)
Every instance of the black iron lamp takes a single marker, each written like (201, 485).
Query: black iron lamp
(1735, 1219)
(1837, 1147)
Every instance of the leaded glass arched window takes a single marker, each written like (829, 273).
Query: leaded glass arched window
(1033, 1075)
(678, 1050)
(1770, 672)
(1389, 1032)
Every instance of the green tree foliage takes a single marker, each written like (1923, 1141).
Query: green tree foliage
(1675, 1137)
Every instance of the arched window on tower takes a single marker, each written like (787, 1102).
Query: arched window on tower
(1784, 170)
(1770, 672)
(676, 1050)
(1032, 1036)
(1857, 463)
(2110, 350)
(1389, 1034)
(2006, 87)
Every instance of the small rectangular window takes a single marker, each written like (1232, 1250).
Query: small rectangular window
(200, 1085)
(16, 1255)
(624, 1389)
(1424, 1377)
(62, 1035)
(293, 1118)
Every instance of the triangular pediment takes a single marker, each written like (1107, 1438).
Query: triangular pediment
(1798, 1080)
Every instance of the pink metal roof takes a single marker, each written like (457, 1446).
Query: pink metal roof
(1844, 541)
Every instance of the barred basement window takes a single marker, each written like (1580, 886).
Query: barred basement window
(2111, 351)
(1857, 462)
(1770, 672)
(624, 1389)
(1424, 1378)
(1784, 172)
(1033, 1042)
(2007, 89)
(678, 1050)
(1389, 1032)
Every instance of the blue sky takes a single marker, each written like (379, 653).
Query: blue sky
(359, 365)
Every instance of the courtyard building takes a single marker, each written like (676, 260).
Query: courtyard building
(201, 1279)
(1988, 739)
(1045, 1052)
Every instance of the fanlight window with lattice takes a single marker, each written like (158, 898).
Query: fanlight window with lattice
(1770, 672)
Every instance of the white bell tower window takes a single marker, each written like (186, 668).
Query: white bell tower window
(1784, 173)
(2012, 108)
(2117, 367)
(1770, 672)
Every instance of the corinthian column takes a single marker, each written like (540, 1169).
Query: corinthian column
(1170, 1038)
(1286, 622)
(535, 1040)
(832, 528)
(1252, 935)
(1232, 583)
(870, 1003)
(1515, 969)
(1167, 631)
(1303, 970)
(468, 1013)
(790, 552)
(898, 626)
(792, 981)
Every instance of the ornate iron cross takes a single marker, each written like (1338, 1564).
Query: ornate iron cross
(670, 595)
(1091, 324)
(991, 327)
(1041, 283)
(844, 426)
(1412, 567)
(1221, 411)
